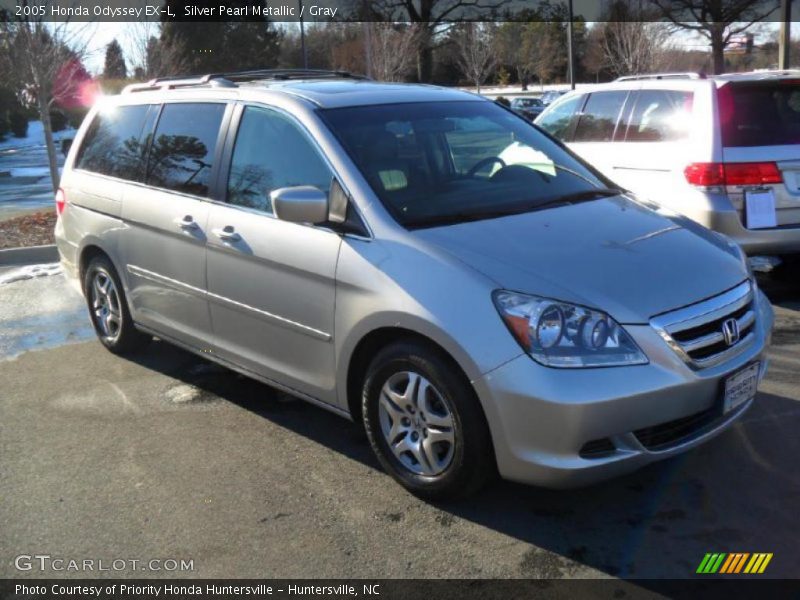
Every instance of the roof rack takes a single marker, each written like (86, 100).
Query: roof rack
(231, 79)
(662, 76)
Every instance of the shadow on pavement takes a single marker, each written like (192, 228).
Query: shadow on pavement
(738, 493)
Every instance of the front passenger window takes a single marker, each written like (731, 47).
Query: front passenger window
(271, 152)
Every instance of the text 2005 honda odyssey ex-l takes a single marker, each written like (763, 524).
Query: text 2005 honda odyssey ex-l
(418, 259)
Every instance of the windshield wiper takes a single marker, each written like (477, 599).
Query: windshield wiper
(452, 218)
(583, 196)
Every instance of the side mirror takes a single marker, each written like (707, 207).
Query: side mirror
(66, 144)
(300, 204)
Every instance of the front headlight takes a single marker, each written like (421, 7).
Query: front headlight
(559, 334)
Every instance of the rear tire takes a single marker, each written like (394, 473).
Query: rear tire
(425, 424)
(108, 308)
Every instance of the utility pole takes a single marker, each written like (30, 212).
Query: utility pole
(785, 43)
(570, 50)
(302, 35)
(367, 27)
(366, 30)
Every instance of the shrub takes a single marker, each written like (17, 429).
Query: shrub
(58, 121)
(5, 126)
(75, 116)
(18, 122)
(503, 77)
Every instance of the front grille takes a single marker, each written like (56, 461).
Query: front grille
(698, 332)
(672, 433)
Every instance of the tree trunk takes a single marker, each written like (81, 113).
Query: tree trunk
(718, 48)
(425, 55)
(52, 157)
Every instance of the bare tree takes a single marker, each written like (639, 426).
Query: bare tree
(40, 60)
(432, 18)
(514, 51)
(137, 42)
(716, 20)
(392, 50)
(476, 56)
(542, 42)
(633, 47)
(594, 58)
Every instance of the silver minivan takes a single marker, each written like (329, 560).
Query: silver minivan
(722, 150)
(420, 260)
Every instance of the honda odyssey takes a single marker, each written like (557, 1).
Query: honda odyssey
(420, 260)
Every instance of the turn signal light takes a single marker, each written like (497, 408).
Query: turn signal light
(61, 201)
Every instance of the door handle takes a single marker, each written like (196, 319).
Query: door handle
(186, 222)
(227, 234)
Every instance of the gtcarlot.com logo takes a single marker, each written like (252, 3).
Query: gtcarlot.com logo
(46, 562)
(734, 563)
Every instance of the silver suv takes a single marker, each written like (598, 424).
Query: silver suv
(721, 150)
(420, 260)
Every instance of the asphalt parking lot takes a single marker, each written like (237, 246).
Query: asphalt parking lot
(169, 457)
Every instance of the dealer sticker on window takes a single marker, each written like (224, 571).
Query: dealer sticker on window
(740, 387)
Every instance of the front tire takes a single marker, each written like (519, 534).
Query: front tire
(108, 308)
(425, 424)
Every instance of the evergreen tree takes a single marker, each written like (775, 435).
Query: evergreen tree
(115, 67)
(201, 47)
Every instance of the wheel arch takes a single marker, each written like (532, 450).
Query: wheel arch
(87, 253)
(369, 344)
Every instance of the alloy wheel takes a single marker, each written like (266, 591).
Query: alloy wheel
(417, 423)
(106, 306)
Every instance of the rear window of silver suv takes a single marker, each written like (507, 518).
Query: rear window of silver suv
(760, 113)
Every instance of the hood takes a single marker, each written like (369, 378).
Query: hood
(612, 254)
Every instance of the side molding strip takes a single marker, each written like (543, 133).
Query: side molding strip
(228, 302)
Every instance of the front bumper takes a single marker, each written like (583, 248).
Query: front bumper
(541, 418)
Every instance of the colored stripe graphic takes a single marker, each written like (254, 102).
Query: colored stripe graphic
(711, 563)
(758, 563)
(703, 563)
(727, 564)
(722, 563)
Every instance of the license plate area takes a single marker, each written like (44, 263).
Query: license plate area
(740, 387)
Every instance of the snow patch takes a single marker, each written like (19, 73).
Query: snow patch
(30, 272)
(30, 172)
(35, 137)
(183, 393)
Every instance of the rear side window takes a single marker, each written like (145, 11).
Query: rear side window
(557, 118)
(271, 152)
(760, 114)
(599, 119)
(182, 153)
(660, 116)
(113, 144)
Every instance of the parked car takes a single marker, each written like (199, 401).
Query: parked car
(724, 151)
(530, 108)
(416, 259)
(551, 96)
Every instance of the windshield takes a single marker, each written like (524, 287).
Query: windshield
(439, 162)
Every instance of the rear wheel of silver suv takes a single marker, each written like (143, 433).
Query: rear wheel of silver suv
(108, 308)
(424, 422)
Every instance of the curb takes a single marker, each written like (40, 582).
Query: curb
(29, 256)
